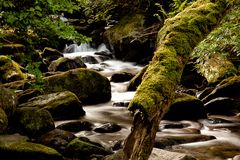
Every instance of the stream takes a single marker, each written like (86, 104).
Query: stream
(181, 136)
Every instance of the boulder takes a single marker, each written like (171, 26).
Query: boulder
(10, 70)
(8, 101)
(57, 139)
(76, 126)
(61, 105)
(229, 87)
(65, 64)
(126, 41)
(81, 149)
(28, 151)
(89, 86)
(25, 95)
(50, 54)
(3, 121)
(33, 121)
(121, 77)
(107, 128)
(221, 105)
(185, 107)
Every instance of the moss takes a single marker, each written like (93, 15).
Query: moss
(28, 151)
(222, 44)
(176, 40)
(10, 70)
(127, 27)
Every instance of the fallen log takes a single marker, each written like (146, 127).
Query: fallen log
(176, 40)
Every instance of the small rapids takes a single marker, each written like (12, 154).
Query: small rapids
(225, 145)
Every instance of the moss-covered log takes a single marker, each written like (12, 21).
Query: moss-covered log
(176, 41)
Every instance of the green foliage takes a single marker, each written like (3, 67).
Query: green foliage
(33, 68)
(39, 21)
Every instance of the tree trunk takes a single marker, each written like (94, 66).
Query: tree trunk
(153, 97)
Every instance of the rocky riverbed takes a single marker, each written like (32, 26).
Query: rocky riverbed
(82, 114)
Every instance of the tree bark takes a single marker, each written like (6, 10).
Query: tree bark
(176, 40)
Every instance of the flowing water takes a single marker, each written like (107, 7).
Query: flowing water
(225, 146)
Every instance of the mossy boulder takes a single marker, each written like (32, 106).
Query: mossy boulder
(123, 37)
(81, 149)
(50, 54)
(10, 70)
(65, 64)
(61, 105)
(28, 151)
(186, 107)
(88, 85)
(3, 121)
(32, 121)
(8, 101)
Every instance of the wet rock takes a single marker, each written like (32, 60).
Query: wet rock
(217, 121)
(84, 150)
(8, 101)
(118, 145)
(220, 105)
(3, 121)
(90, 59)
(10, 70)
(185, 107)
(105, 54)
(76, 126)
(65, 64)
(164, 141)
(121, 77)
(28, 151)
(89, 86)
(61, 105)
(57, 139)
(202, 94)
(107, 128)
(121, 104)
(33, 121)
(229, 87)
(158, 154)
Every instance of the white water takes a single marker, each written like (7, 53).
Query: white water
(101, 113)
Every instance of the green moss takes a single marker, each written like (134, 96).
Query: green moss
(176, 40)
(127, 27)
(28, 150)
(10, 70)
(221, 45)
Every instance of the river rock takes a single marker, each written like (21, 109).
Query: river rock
(65, 64)
(10, 70)
(57, 139)
(159, 154)
(28, 151)
(90, 59)
(84, 150)
(229, 87)
(185, 107)
(33, 121)
(3, 121)
(121, 77)
(76, 126)
(107, 128)
(61, 105)
(8, 101)
(89, 86)
(220, 105)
